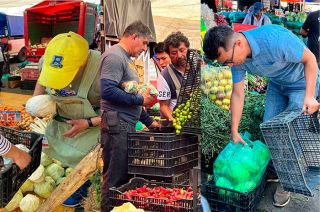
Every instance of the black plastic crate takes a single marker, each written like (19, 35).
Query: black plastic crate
(151, 204)
(192, 130)
(28, 84)
(11, 177)
(190, 86)
(162, 154)
(179, 179)
(153, 112)
(227, 200)
(294, 143)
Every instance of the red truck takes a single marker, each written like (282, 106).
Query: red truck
(47, 19)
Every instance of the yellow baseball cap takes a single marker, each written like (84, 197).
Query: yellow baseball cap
(63, 57)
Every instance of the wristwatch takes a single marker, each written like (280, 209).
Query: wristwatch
(89, 122)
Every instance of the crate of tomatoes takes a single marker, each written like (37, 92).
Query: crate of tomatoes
(154, 196)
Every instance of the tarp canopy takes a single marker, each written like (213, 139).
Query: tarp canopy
(52, 7)
(14, 25)
(119, 14)
(167, 16)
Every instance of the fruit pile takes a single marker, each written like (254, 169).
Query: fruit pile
(184, 112)
(217, 85)
(181, 114)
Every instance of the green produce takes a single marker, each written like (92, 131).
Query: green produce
(27, 186)
(55, 171)
(153, 90)
(38, 175)
(60, 180)
(45, 159)
(130, 87)
(41, 106)
(45, 188)
(68, 171)
(217, 85)
(185, 112)
(14, 202)
(156, 107)
(29, 203)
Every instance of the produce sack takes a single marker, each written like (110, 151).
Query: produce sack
(241, 167)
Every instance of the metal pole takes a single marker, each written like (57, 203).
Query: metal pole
(102, 31)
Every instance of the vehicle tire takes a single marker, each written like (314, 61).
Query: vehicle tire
(22, 54)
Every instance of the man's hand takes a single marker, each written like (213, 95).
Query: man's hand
(236, 138)
(310, 105)
(20, 157)
(147, 98)
(154, 124)
(77, 126)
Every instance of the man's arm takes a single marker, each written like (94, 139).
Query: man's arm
(237, 101)
(165, 109)
(20, 157)
(305, 27)
(304, 32)
(311, 72)
(39, 90)
(146, 120)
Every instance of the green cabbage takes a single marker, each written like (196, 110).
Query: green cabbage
(130, 87)
(55, 171)
(38, 175)
(29, 203)
(45, 159)
(153, 90)
(60, 180)
(68, 171)
(14, 202)
(45, 188)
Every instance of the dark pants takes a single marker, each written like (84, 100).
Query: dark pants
(115, 158)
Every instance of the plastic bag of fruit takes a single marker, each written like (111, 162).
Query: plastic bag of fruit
(217, 85)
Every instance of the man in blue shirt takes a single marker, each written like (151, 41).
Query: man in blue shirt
(270, 51)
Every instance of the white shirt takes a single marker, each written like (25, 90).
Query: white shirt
(164, 92)
(256, 22)
(5, 145)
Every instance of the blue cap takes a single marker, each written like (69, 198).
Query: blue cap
(257, 7)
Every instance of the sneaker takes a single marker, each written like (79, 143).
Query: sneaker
(272, 177)
(74, 200)
(281, 198)
(77, 197)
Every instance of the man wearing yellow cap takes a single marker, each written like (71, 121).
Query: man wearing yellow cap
(121, 110)
(70, 72)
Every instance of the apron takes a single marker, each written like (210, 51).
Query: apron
(70, 151)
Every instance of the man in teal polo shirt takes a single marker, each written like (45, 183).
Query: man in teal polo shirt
(270, 51)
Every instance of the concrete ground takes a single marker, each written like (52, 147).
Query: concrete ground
(298, 203)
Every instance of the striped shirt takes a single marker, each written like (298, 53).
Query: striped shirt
(5, 145)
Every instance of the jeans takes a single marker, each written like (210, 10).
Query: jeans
(115, 158)
(280, 98)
